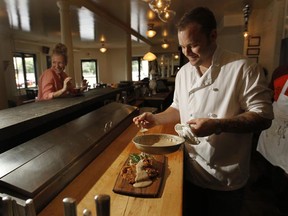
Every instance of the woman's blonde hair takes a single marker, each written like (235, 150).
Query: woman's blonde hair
(61, 49)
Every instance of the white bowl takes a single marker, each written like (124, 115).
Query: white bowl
(158, 143)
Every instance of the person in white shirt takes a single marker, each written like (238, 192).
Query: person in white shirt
(224, 98)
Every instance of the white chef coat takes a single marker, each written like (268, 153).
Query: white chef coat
(232, 85)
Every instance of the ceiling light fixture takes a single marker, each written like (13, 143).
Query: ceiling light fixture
(151, 32)
(166, 15)
(149, 56)
(246, 11)
(245, 34)
(165, 44)
(103, 49)
(161, 7)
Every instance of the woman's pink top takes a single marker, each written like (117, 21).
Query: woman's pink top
(49, 83)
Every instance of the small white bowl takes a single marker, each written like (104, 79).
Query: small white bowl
(158, 144)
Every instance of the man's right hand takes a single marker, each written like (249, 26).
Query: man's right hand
(146, 120)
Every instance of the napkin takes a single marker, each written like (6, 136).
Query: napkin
(185, 131)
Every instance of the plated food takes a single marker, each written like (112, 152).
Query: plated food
(140, 171)
(141, 175)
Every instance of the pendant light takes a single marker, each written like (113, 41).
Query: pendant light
(159, 5)
(151, 32)
(167, 15)
(161, 8)
(165, 44)
(103, 49)
(149, 56)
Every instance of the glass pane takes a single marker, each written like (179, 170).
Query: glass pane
(144, 72)
(89, 72)
(30, 72)
(135, 70)
(19, 72)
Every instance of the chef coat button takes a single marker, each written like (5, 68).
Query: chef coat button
(215, 89)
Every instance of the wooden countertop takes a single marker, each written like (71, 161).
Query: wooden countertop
(99, 178)
(15, 115)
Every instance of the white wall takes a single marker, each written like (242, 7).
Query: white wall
(117, 66)
(111, 64)
(234, 42)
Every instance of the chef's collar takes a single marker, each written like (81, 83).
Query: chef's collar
(211, 74)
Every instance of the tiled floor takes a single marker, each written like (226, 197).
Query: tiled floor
(261, 191)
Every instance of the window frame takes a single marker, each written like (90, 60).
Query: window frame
(96, 68)
(23, 55)
(139, 61)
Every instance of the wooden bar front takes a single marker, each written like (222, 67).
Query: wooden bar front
(100, 175)
(22, 123)
(41, 167)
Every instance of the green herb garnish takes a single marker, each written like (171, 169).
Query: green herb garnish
(135, 158)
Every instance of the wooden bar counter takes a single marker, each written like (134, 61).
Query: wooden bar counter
(22, 123)
(100, 175)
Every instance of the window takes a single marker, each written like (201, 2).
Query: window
(25, 70)
(89, 72)
(140, 69)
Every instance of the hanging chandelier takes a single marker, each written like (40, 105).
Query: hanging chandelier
(161, 8)
(159, 5)
(167, 15)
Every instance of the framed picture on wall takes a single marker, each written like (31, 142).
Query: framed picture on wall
(253, 51)
(254, 41)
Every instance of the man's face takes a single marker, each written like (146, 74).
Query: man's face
(58, 63)
(196, 46)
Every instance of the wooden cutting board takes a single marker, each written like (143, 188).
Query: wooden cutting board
(123, 187)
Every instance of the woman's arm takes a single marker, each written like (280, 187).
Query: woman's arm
(64, 89)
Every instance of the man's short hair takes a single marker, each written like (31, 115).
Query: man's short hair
(200, 15)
